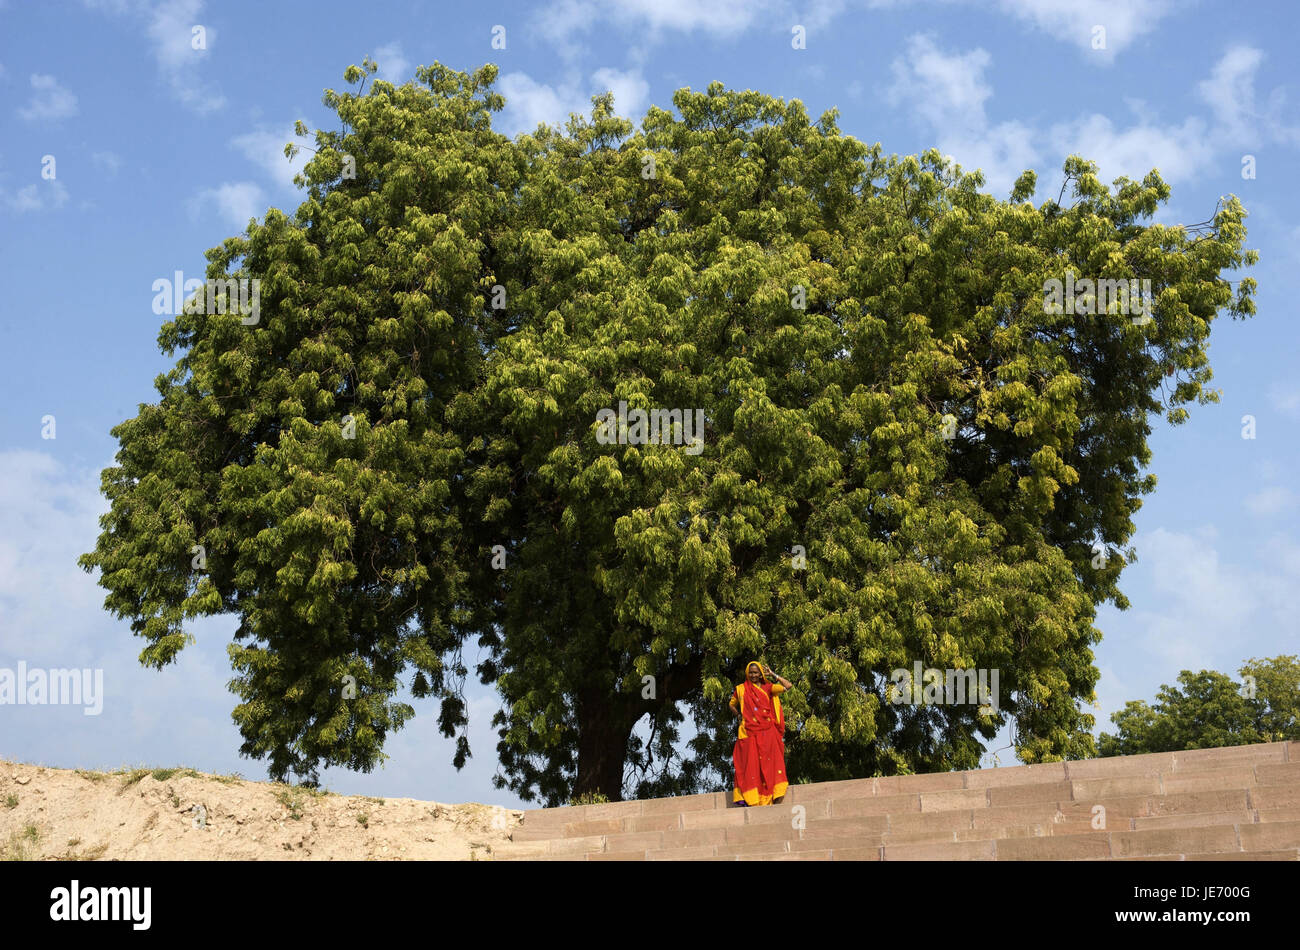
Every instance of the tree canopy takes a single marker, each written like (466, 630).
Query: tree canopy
(1212, 710)
(906, 455)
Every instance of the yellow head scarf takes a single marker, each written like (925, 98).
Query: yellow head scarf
(760, 669)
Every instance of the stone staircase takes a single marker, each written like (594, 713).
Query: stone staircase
(1235, 803)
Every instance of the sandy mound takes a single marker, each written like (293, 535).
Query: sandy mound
(179, 814)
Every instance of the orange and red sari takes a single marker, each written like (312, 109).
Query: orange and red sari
(759, 753)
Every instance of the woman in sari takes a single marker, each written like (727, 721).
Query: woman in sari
(759, 753)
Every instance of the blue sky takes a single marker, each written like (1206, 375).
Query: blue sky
(161, 150)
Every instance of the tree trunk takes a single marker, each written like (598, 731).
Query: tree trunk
(603, 730)
(605, 721)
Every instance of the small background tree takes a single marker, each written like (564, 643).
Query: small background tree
(1212, 710)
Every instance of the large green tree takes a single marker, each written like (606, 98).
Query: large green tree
(906, 456)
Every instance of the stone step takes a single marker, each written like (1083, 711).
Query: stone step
(1280, 841)
(1270, 836)
(1206, 839)
(787, 856)
(1056, 847)
(1243, 817)
(1231, 756)
(899, 813)
(1208, 780)
(1284, 774)
(1278, 814)
(1124, 766)
(773, 847)
(684, 854)
(1275, 797)
(1236, 801)
(1292, 855)
(1031, 820)
(940, 851)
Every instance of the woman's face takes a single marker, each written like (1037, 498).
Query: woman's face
(754, 675)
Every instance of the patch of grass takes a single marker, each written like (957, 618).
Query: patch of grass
(363, 821)
(232, 779)
(373, 801)
(132, 776)
(90, 854)
(11, 801)
(292, 797)
(590, 798)
(21, 845)
(92, 776)
(162, 775)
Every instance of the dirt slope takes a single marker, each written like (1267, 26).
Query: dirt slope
(180, 814)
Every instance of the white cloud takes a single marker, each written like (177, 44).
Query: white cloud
(562, 20)
(1269, 470)
(393, 66)
(36, 197)
(1230, 93)
(1002, 152)
(629, 88)
(947, 91)
(169, 28)
(109, 161)
(1230, 90)
(1285, 397)
(529, 102)
(718, 16)
(236, 201)
(1202, 612)
(1072, 21)
(117, 6)
(1291, 245)
(52, 616)
(49, 100)
(265, 147)
(170, 31)
(1180, 152)
(48, 515)
(1271, 501)
(650, 21)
